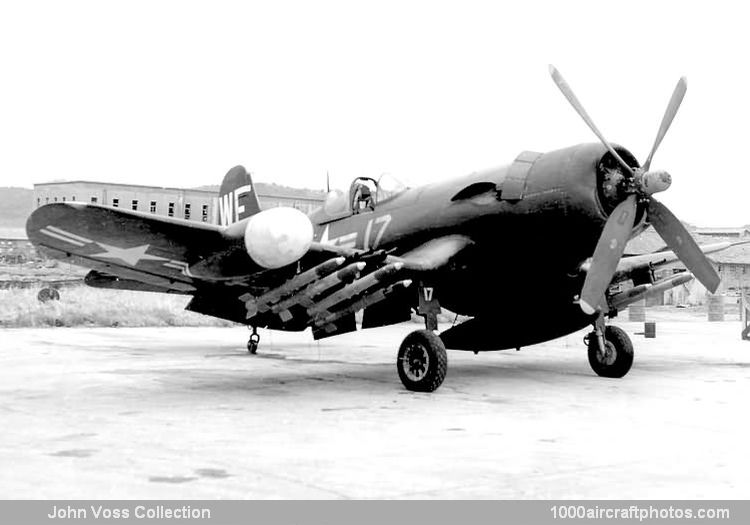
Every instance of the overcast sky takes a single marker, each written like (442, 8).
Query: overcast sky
(176, 93)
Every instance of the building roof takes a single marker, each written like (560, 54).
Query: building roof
(739, 254)
(120, 184)
(730, 232)
(277, 190)
(264, 189)
(649, 241)
(271, 189)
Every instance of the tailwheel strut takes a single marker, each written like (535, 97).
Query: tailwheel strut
(252, 343)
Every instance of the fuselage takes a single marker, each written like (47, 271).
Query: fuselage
(525, 243)
(532, 224)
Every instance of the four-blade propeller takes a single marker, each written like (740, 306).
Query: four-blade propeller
(639, 184)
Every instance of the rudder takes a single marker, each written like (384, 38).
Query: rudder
(237, 197)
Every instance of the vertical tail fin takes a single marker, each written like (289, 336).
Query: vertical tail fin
(237, 197)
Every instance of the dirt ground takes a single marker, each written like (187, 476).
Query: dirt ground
(187, 413)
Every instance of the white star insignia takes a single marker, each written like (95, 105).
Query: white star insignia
(131, 256)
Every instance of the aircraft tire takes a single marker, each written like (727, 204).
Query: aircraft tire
(48, 294)
(618, 363)
(422, 361)
(252, 344)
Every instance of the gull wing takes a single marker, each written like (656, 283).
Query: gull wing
(170, 253)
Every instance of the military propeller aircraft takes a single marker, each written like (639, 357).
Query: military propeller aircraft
(529, 252)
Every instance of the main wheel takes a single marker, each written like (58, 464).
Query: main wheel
(617, 358)
(422, 361)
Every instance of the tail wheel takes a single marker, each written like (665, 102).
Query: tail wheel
(422, 361)
(616, 358)
(252, 343)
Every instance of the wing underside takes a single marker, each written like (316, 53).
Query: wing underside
(327, 296)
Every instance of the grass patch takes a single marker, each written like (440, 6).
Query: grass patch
(84, 306)
(41, 271)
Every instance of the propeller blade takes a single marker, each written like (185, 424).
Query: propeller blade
(565, 89)
(674, 104)
(607, 254)
(682, 244)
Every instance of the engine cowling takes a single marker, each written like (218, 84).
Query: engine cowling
(278, 236)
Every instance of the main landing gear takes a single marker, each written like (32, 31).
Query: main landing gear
(610, 350)
(422, 361)
(252, 343)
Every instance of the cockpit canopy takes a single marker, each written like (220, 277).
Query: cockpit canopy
(389, 186)
(365, 194)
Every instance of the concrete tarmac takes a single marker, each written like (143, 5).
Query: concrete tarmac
(187, 413)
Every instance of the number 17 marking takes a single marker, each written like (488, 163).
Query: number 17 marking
(383, 221)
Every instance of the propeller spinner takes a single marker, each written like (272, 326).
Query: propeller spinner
(639, 186)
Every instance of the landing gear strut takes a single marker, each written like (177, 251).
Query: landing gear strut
(252, 343)
(610, 350)
(422, 361)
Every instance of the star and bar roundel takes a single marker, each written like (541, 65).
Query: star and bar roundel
(130, 256)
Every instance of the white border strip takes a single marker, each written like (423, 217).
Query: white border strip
(60, 237)
(71, 235)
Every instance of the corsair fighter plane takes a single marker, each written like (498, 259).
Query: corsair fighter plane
(528, 252)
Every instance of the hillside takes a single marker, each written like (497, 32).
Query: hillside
(15, 206)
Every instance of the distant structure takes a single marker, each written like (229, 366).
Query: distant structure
(724, 233)
(15, 247)
(191, 204)
(733, 266)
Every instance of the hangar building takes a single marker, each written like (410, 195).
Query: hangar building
(15, 247)
(200, 204)
(732, 264)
